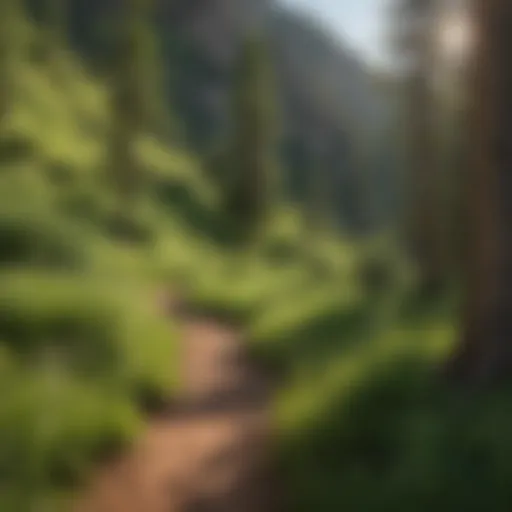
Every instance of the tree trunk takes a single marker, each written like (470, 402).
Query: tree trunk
(425, 233)
(423, 210)
(485, 350)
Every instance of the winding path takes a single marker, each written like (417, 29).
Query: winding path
(211, 452)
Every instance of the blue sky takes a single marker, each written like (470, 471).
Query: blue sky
(359, 22)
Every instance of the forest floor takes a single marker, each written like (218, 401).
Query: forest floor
(209, 452)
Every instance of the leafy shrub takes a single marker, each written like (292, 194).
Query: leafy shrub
(375, 429)
(129, 228)
(37, 239)
(16, 147)
(94, 328)
(383, 270)
(77, 355)
(53, 427)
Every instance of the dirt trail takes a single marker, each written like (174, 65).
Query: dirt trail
(211, 452)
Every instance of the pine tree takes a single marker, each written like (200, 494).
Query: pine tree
(10, 13)
(55, 21)
(252, 182)
(416, 23)
(157, 110)
(135, 96)
(318, 213)
(318, 202)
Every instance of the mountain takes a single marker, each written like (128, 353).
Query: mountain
(332, 112)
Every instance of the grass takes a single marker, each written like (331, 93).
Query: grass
(83, 359)
(366, 423)
(54, 426)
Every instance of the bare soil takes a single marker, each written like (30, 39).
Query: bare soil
(210, 452)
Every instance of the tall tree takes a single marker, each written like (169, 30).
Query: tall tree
(135, 91)
(10, 14)
(318, 211)
(485, 349)
(320, 197)
(454, 166)
(153, 73)
(55, 17)
(417, 23)
(253, 171)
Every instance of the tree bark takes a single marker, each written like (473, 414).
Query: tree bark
(485, 349)
(425, 211)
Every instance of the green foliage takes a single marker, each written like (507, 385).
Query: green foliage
(252, 187)
(94, 329)
(54, 37)
(53, 427)
(364, 422)
(39, 241)
(9, 14)
(84, 357)
(375, 429)
(136, 101)
(83, 348)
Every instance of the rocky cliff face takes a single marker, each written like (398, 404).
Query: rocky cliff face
(331, 108)
(217, 26)
(315, 73)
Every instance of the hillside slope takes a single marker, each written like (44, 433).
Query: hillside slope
(333, 115)
(84, 349)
